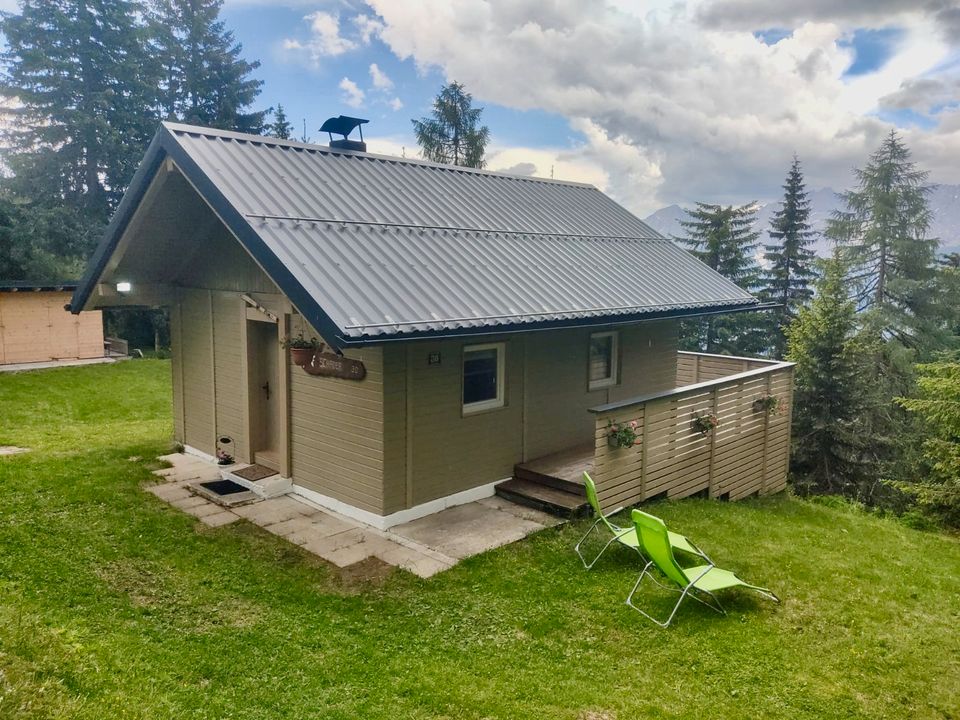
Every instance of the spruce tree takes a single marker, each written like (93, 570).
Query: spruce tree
(786, 279)
(206, 81)
(280, 127)
(834, 397)
(936, 482)
(453, 133)
(723, 237)
(82, 92)
(882, 234)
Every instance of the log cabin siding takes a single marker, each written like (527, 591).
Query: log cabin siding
(229, 312)
(196, 355)
(434, 450)
(337, 431)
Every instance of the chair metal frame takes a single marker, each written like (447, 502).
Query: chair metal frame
(618, 532)
(688, 590)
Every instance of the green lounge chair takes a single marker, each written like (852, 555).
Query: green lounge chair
(625, 536)
(706, 579)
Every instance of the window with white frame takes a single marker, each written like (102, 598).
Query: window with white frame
(483, 377)
(603, 363)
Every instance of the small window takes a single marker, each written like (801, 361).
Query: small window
(603, 360)
(482, 377)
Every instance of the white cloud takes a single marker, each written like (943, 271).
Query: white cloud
(379, 78)
(395, 104)
(352, 94)
(367, 27)
(325, 38)
(673, 110)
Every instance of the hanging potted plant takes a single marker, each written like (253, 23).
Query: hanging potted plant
(768, 404)
(704, 423)
(622, 435)
(301, 349)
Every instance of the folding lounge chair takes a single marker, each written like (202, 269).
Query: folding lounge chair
(625, 536)
(706, 579)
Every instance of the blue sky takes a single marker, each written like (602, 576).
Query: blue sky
(654, 101)
(310, 91)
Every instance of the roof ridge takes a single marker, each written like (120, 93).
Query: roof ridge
(654, 236)
(327, 150)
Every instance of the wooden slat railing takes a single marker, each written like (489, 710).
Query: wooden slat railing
(747, 453)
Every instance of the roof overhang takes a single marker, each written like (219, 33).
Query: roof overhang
(164, 145)
(564, 324)
(28, 286)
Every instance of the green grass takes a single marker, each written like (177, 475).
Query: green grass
(113, 605)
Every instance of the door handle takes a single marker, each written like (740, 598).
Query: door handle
(266, 388)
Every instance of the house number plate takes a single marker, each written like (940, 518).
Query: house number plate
(331, 365)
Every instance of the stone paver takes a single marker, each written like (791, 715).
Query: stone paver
(191, 501)
(224, 517)
(204, 509)
(274, 510)
(414, 561)
(424, 547)
(169, 493)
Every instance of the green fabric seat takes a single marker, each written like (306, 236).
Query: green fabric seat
(625, 536)
(655, 544)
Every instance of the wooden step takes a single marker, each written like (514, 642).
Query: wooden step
(543, 497)
(522, 472)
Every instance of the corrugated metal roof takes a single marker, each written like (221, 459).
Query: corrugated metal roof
(263, 176)
(370, 247)
(377, 280)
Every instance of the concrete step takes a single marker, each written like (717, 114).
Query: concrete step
(268, 487)
(543, 497)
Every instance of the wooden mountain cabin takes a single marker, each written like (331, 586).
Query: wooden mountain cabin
(480, 332)
(34, 327)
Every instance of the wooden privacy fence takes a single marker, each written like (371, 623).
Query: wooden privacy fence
(747, 453)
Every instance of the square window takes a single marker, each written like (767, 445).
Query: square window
(602, 366)
(482, 377)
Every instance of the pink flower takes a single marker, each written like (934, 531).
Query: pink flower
(633, 424)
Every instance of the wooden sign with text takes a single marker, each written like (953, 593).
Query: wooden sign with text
(332, 365)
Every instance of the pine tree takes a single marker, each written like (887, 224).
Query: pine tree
(724, 238)
(452, 134)
(790, 260)
(834, 397)
(83, 102)
(883, 237)
(936, 483)
(280, 127)
(206, 80)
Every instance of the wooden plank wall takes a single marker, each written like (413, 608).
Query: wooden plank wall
(34, 327)
(748, 453)
(337, 431)
(196, 358)
(699, 367)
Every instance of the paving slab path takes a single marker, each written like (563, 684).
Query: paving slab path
(423, 547)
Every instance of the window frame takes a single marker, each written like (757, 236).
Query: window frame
(614, 378)
(500, 400)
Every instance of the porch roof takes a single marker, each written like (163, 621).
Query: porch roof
(372, 248)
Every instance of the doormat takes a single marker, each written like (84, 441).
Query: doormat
(223, 487)
(254, 472)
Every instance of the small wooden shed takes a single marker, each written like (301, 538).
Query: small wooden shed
(483, 333)
(36, 327)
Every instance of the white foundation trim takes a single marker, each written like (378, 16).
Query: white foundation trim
(200, 454)
(383, 522)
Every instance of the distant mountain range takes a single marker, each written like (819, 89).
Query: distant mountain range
(944, 203)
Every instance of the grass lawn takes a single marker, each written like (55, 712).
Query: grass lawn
(114, 605)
